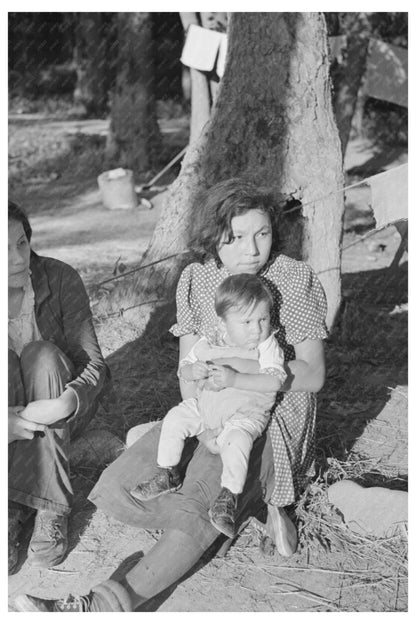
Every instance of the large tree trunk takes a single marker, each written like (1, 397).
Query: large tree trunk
(134, 137)
(91, 63)
(272, 122)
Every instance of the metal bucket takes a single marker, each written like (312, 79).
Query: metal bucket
(117, 189)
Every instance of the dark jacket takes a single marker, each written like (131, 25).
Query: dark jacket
(63, 317)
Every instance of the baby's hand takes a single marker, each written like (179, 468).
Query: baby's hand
(222, 376)
(200, 370)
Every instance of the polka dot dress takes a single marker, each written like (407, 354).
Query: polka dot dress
(298, 314)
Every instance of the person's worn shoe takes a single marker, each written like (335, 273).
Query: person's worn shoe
(106, 597)
(49, 542)
(164, 481)
(17, 516)
(222, 512)
(281, 530)
(71, 604)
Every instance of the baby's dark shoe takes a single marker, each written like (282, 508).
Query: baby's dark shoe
(164, 481)
(222, 512)
(49, 542)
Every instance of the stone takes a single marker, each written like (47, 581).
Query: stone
(375, 511)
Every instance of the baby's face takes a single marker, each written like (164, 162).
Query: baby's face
(248, 327)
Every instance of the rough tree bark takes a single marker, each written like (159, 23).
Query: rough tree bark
(134, 137)
(272, 122)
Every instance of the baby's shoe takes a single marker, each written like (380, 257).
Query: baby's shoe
(164, 481)
(222, 512)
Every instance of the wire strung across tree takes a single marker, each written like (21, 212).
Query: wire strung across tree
(295, 208)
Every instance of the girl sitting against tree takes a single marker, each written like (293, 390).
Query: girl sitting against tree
(235, 231)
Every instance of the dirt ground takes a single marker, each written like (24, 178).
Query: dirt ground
(362, 426)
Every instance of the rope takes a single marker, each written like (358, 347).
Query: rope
(143, 266)
(121, 311)
(334, 192)
(300, 207)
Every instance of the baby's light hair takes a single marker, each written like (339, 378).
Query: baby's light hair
(239, 292)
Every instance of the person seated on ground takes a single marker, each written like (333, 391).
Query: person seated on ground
(56, 374)
(235, 229)
(236, 406)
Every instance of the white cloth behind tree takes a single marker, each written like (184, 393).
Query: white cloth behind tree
(389, 195)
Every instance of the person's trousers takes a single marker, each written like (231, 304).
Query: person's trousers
(235, 442)
(39, 468)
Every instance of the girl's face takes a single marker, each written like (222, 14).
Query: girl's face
(250, 246)
(19, 255)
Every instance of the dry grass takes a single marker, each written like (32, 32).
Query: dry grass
(144, 377)
(365, 564)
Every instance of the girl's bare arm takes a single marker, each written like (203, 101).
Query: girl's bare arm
(304, 374)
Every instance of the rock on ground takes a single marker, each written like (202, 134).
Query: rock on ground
(375, 510)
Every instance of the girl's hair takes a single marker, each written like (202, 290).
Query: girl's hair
(240, 291)
(17, 214)
(215, 207)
